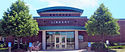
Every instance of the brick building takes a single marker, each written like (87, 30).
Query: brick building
(64, 28)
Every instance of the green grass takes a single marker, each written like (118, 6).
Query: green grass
(118, 50)
(116, 47)
(3, 48)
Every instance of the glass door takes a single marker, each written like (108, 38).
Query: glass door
(60, 42)
(63, 42)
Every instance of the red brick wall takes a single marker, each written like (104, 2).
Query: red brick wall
(118, 38)
(69, 21)
(27, 39)
(9, 39)
(33, 38)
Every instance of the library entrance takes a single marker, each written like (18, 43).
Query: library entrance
(60, 40)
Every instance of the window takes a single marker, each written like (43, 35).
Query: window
(66, 14)
(53, 14)
(67, 21)
(75, 21)
(56, 21)
(59, 21)
(2, 38)
(44, 21)
(56, 14)
(50, 14)
(80, 37)
(62, 21)
(69, 14)
(21, 41)
(15, 41)
(63, 14)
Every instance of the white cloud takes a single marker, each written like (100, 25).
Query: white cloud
(53, 3)
(73, 3)
(30, 6)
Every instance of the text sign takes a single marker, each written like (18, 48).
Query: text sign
(89, 44)
(30, 44)
(9, 44)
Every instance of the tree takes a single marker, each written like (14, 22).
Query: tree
(18, 22)
(102, 23)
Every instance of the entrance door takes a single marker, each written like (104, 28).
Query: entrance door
(60, 42)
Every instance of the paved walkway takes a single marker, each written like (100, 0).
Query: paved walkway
(82, 50)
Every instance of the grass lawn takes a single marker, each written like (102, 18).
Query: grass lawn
(3, 49)
(117, 50)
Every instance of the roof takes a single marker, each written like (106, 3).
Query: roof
(61, 17)
(62, 27)
(60, 7)
(122, 19)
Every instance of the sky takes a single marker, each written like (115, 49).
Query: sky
(116, 7)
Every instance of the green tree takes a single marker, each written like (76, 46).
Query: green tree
(102, 23)
(18, 22)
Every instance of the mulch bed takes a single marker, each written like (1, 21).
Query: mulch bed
(18, 50)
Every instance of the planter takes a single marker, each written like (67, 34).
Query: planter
(101, 50)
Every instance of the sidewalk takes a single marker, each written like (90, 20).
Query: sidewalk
(82, 50)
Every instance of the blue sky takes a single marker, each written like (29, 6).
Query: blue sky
(116, 7)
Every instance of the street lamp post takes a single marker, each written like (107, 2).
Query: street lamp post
(30, 46)
(89, 46)
(9, 45)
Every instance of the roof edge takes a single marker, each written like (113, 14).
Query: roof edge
(60, 7)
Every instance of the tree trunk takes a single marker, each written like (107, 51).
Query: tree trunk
(103, 39)
(18, 42)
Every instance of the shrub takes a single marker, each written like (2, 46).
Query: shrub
(2, 45)
(4, 48)
(98, 46)
(116, 47)
(22, 46)
(15, 46)
(113, 44)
